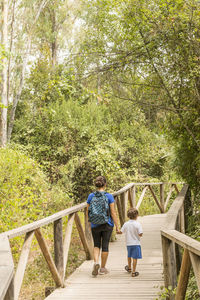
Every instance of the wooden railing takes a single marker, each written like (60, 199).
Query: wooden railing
(174, 237)
(10, 283)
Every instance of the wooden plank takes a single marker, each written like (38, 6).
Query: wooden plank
(182, 220)
(183, 240)
(58, 247)
(67, 240)
(88, 232)
(169, 262)
(176, 207)
(176, 188)
(184, 276)
(123, 207)
(196, 267)
(141, 197)
(82, 237)
(156, 199)
(122, 190)
(168, 197)
(21, 267)
(134, 196)
(130, 198)
(162, 200)
(48, 258)
(10, 292)
(119, 209)
(6, 267)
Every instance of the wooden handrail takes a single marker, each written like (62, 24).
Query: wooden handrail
(183, 240)
(172, 239)
(37, 224)
(57, 266)
(6, 266)
(191, 257)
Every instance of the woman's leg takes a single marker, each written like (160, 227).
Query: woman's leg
(96, 253)
(106, 235)
(96, 234)
(104, 257)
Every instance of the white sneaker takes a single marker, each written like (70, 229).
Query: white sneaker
(103, 271)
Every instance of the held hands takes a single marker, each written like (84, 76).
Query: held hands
(118, 231)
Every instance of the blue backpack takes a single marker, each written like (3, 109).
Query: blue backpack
(99, 209)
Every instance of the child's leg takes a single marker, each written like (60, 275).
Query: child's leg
(129, 263)
(134, 265)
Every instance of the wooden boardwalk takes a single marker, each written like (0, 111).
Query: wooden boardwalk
(118, 284)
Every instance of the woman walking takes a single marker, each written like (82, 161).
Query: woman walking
(102, 215)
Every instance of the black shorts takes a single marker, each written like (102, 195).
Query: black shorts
(101, 236)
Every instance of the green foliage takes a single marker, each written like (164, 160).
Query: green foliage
(75, 139)
(166, 293)
(25, 194)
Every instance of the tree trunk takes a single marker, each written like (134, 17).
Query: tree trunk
(10, 49)
(4, 40)
(54, 42)
(25, 60)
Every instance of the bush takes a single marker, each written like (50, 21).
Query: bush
(25, 194)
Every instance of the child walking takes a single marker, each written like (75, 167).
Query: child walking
(133, 232)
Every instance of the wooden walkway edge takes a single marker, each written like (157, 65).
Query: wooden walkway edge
(118, 284)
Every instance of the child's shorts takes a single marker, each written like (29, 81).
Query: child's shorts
(134, 251)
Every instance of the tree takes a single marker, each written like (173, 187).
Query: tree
(4, 40)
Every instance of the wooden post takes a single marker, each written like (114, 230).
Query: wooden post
(176, 188)
(48, 258)
(162, 199)
(187, 207)
(58, 247)
(119, 208)
(184, 276)
(123, 206)
(134, 196)
(10, 292)
(130, 197)
(155, 198)
(196, 267)
(82, 237)
(67, 240)
(21, 267)
(141, 197)
(169, 263)
(168, 197)
(88, 233)
(182, 220)
(177, 248)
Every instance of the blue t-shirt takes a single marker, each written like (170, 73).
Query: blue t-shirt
(110, 200)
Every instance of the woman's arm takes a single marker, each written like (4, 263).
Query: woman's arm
(114, 216)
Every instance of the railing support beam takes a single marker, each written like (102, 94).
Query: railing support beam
(58, 247)
(162, 197)
(10, 291)
(82, 237)
(169, 263)
(184, 276)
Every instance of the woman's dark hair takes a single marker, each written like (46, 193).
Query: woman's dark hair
(132, 213)
(100, 181)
